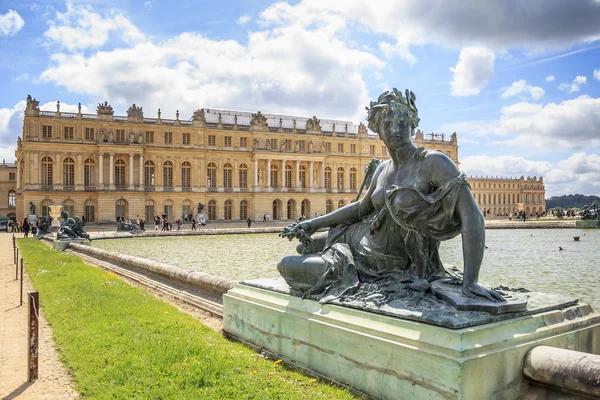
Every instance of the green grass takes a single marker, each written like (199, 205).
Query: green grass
(120, 342)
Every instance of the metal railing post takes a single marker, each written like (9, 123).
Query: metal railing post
(21, 283)
(33, 336)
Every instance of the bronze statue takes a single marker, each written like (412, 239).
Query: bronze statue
(390, 237)
(43, 226)
(71, 228)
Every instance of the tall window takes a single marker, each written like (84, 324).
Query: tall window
(341, 203)
(353, 178)
(227, 141)
(47, 171)
(120, 173)
(89, 210)
(149, 209)
(186, 174)
(328, 206)
(149, 137)
(243, 210)
(328, 147)
(273, 143)
(211, 175)
(168, 137)
(274, 174)
(120, 135)
(69, 171)
(372, 150)
(12, 198)
(121, 208)
(12, 176)
(383, 150)
(243, 142)
(353, 148)
(340, 147)
(168, 209)
(227, 175)
(89, 166)
(288, 144)
(186, 138)
(46, 207)
(212, 140)
(149, 173)
(327, 177)
(212, 210)
(89, 133)
(168, 174)
(305, 208)
(186, 208)
(288, 176)
(46, 131)
(69, 206)
(340, 178)
(243, 176)
(302, 145)
(302, 176)
(68, 132)
(228, 210)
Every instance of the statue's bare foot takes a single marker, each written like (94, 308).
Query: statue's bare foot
(475, 290)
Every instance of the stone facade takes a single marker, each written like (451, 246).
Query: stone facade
(505, 196)
(237, 164)
(8, 189)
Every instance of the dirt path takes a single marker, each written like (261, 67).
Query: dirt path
(54, 381)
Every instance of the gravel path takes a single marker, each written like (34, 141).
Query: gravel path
(54, 380)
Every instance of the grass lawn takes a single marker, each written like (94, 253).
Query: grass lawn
(120, 342)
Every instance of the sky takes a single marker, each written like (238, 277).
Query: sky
(518, 81)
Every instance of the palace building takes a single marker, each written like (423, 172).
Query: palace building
(239, 165)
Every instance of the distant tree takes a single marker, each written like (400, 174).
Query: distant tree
(571, 201)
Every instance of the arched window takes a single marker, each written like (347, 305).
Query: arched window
(47, 164)
(340, 178)
(89, 167)
(328, 206)
(212, 210)
(46, 207)
(89, 211)
(69, 206)
(186, 175)
(243, 177)
(303, 176)
(276, 207)
(228, 210)
(211, 175)
(305, 208)
(69, 172)
(149, 210)
(120, 173)
(479, 198)
(227, 176)
(274, 175)
(291, 209)
(12, 198)
(186, 208)
(341, 203)
(168, 209)
(352, 178)
(327, 177)
(288, 176)
(494, 198)
(168, 174)
(121, 209)
(149, 174)
(243, 210)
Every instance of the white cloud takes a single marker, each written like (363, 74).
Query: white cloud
(80, 28)
(580, 173)
(597, 74)
(550, 78)
(10, 23)
(147, 4)
(574, 86)
(521, 87)
(243, 20)
(472, 72)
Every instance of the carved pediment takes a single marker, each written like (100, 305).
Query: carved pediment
(135, 112)
(258, 122)
(104, 109)
(362, 129)
(313, 125)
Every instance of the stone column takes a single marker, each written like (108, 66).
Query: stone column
(298, 173)
(311, 179)
(59, 170)
(269, 173)
(18, 162)
(111, 171)
(79, 171)
(131, 171)
(101, 170)
(142, 172)
(323, 175)
(255, 173)
(283, 175)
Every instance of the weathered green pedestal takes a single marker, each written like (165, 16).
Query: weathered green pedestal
(62, 244)
(392, 358)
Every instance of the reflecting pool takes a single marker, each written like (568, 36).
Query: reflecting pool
(527, 258)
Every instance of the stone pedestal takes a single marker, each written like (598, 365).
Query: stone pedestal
(391, 358)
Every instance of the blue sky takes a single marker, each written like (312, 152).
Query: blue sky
(518, 81)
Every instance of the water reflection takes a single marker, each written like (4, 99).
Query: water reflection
(527, 258)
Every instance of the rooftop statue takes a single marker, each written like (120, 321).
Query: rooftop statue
(313, 124)
(32, 104)
(199, 115)
(386, 244)
(135, 112)
(104, 109)
(258, 120)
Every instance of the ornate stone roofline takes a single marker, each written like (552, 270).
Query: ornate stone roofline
(512, 178)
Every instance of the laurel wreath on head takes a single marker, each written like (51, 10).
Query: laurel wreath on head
(402, 106)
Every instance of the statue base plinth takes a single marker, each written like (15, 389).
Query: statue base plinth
(390, 357)
(63, 244)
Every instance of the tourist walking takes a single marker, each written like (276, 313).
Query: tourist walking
(264, 217)
(26, 228)
(249, 221)
(156, 222)
(193, 224)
